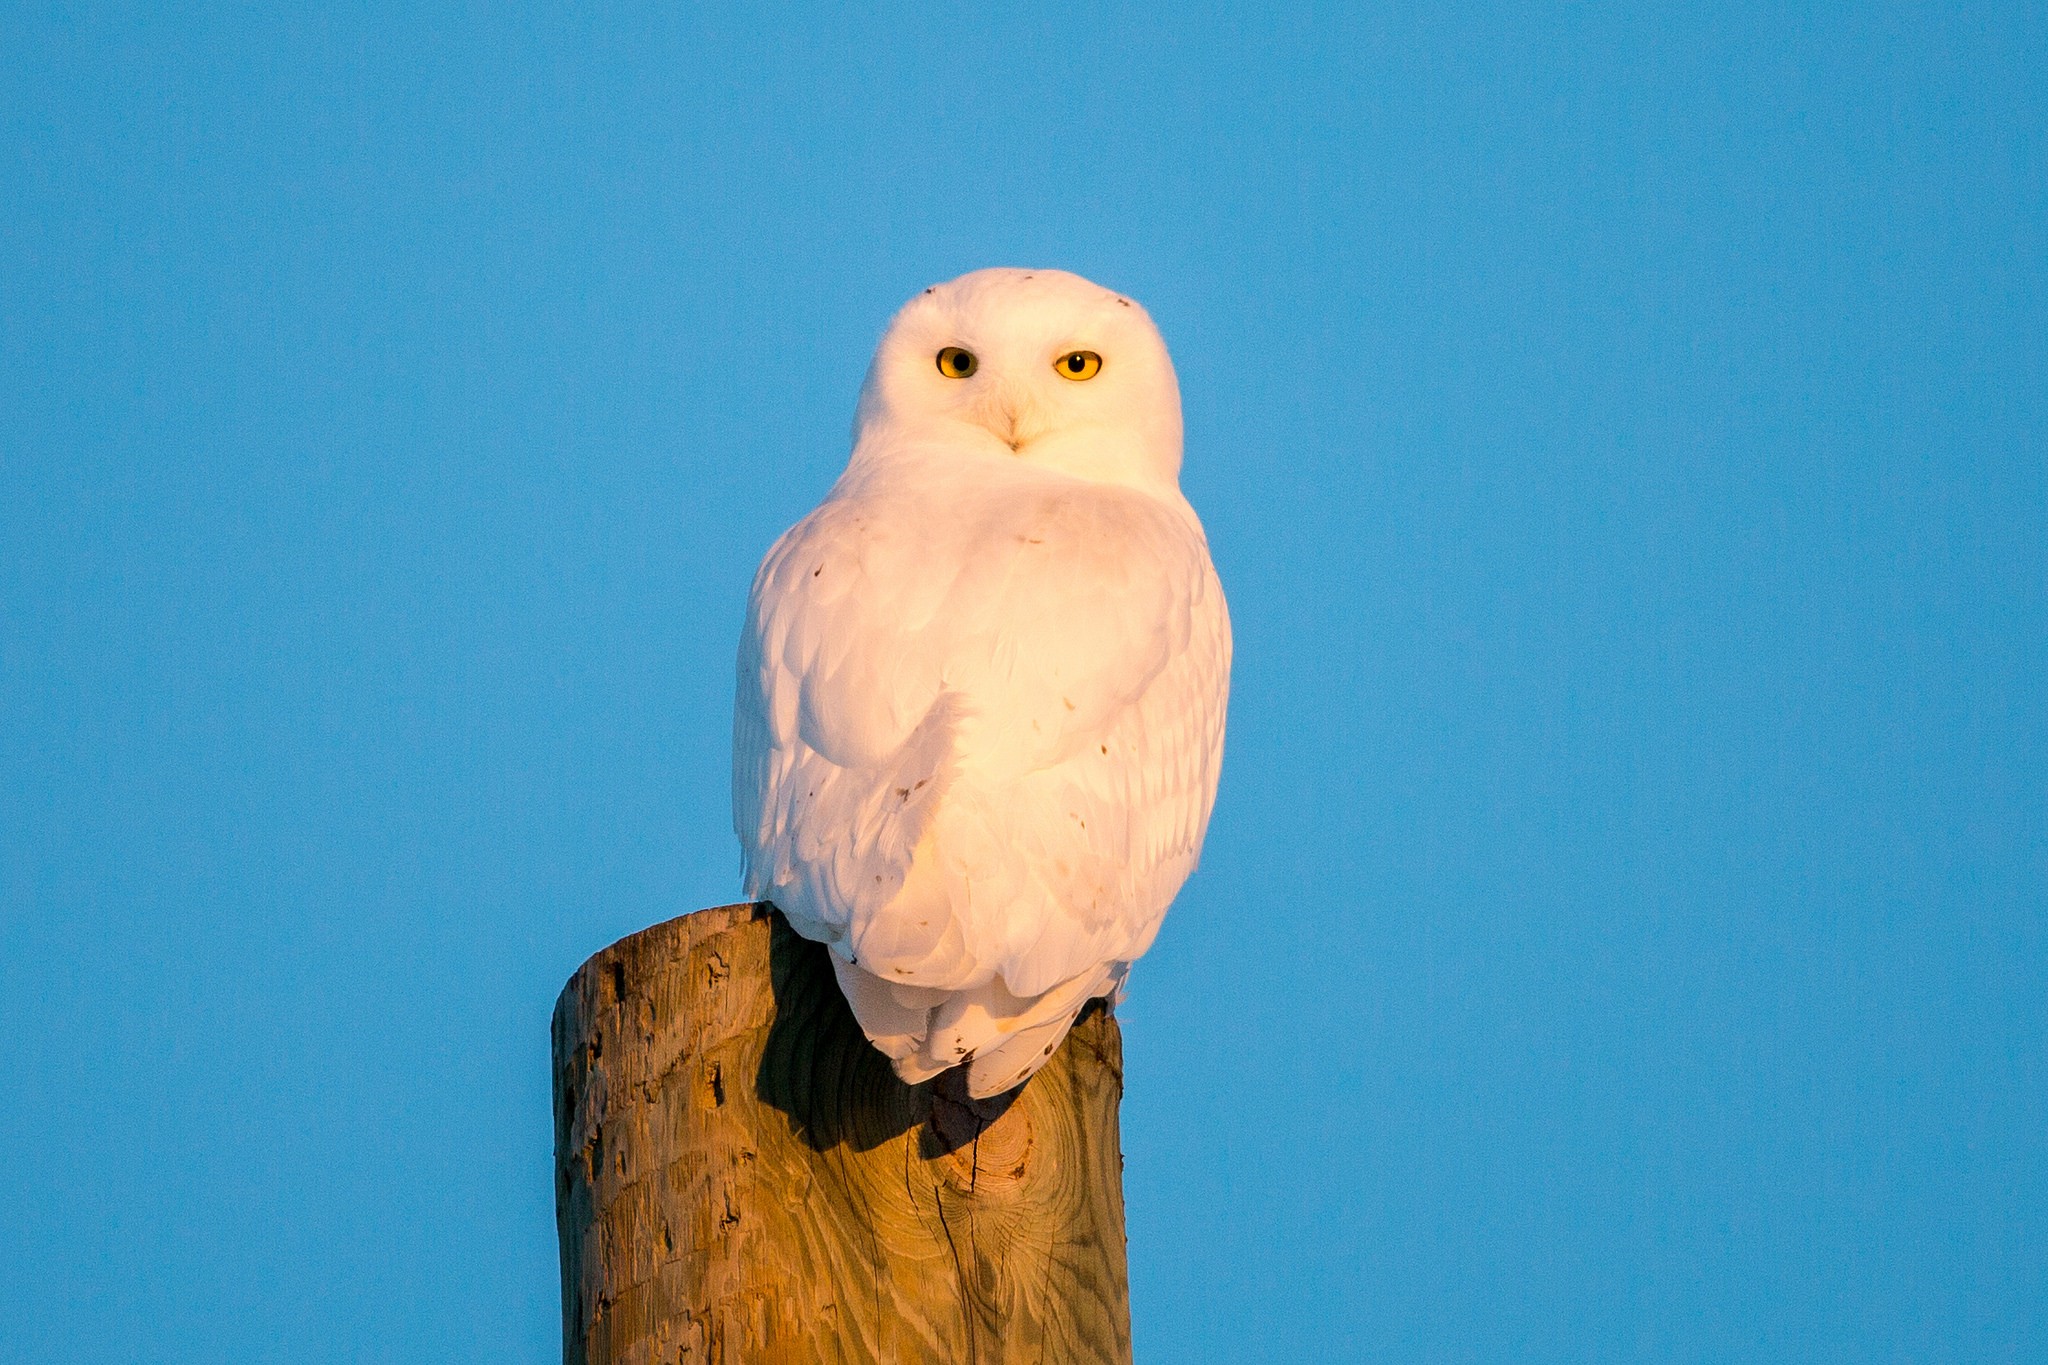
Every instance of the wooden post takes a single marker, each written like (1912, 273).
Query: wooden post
(740, 1177)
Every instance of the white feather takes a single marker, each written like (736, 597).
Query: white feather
(981, 688)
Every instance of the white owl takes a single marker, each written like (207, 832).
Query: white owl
(982, 686)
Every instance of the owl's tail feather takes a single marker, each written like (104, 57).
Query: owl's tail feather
(1016, 1057)
(1001, 1039)
(894, 1018)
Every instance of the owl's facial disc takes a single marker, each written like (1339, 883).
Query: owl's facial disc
(1037, 366)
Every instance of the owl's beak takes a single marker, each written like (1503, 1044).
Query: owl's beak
(1011, 416)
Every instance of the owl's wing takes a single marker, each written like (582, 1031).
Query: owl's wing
(1088, 851)
(1173, 737)
(841, 740)
(1112, 825)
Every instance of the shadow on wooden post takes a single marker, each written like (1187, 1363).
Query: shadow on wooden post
(740, 1177)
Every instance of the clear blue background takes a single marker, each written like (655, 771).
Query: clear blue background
(1622, 433)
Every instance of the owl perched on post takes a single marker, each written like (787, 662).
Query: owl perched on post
(981, 687)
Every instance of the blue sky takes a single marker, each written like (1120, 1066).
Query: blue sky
(1623, 434)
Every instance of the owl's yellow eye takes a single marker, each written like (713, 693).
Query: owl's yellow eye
(955, 363)
(1078, 365)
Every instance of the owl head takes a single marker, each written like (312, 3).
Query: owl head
(1037, 366)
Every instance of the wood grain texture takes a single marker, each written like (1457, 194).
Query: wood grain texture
(740, 1177)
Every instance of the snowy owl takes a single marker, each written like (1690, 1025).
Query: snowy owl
(981, 687)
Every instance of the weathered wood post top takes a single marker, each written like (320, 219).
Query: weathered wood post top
(740, 1177)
